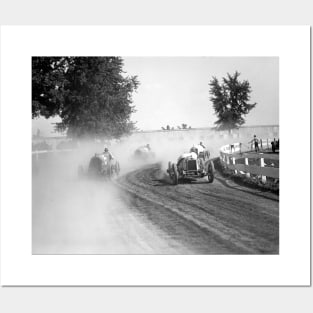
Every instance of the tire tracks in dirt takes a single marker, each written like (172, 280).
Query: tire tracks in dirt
(240, 223)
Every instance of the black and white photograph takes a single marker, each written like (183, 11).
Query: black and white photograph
(155, 155)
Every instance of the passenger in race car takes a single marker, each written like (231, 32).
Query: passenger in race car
(202, 145)
(201, 154)
(200, 149)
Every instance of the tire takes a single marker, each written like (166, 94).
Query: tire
(169, 168)
(175, 174)
(117, 168)
(109, 173)
(210, 172)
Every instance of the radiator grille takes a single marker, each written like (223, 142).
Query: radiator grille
(192, 165)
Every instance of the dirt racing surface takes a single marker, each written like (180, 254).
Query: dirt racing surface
(201, 218)
(141, 212)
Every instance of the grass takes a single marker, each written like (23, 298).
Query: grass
(255, 181)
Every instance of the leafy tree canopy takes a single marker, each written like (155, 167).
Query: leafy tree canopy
(230, 101)
(91, 95)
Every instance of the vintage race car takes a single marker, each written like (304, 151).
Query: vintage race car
(100, 166)
(193, 166)
(144, 153)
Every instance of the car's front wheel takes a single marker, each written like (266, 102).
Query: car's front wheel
(175, 174)
(210, 172)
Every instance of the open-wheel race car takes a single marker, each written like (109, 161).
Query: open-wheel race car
(100, 166)
(144, 153)
(191, 165)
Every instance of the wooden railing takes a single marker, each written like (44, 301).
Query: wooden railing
(234, 158)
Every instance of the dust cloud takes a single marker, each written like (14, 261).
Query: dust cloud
(72, 215)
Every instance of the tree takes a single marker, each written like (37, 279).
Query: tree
(184, 126)
(91, 95)
(230, 101)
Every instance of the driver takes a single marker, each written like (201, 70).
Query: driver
(107, 153)
(194, 149)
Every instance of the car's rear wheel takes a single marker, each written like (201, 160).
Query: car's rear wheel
(109, 172)
(117, 168)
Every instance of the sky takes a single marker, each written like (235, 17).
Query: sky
(175, 90)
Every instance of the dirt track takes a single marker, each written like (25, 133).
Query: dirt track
(196, 217)
(142, 213)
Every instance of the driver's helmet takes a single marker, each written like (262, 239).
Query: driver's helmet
(106, 149)
(148, 146)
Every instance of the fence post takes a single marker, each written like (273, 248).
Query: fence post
(232, 148)
(262, 165)
(247, 163)
(234, 163)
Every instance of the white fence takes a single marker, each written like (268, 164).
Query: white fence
(232, 153)
(36, 153)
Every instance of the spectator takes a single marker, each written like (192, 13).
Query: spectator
(255, 141)
(273, 143)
